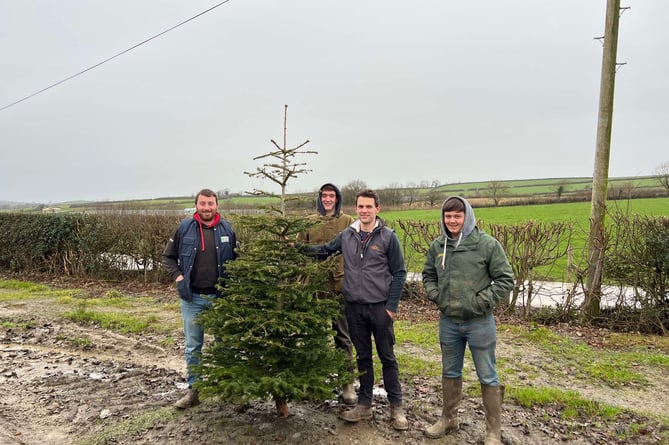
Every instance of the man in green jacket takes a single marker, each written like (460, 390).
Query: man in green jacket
(333, 221)
(467, 274)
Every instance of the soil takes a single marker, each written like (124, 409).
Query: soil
(62, 383)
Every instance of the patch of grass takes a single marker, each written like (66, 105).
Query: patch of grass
(166, 342)
(75, 341)
(423, 334)
(9, 325)
(24, 286)
(614, 372)
(410, 365)
(611, 367)
(131, 426)
(571, 402)
(122, 323)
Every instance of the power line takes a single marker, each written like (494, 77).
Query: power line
(113, 57)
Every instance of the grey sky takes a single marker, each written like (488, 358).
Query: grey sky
(390, 92)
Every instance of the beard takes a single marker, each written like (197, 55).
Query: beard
(206, 216)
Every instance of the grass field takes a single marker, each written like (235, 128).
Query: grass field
(578, 213)
(548, 186)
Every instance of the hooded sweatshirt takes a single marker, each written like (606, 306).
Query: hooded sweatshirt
(468, 275)
(326, 230)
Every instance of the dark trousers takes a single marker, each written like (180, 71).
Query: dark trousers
(342, 337)
(365, 321)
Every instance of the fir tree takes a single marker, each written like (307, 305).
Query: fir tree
(273, 329)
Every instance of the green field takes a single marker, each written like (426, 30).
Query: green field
(578, 213)
(548, 186)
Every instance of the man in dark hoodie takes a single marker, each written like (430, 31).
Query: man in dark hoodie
(195, 258)
(467, 274)
(333, 221)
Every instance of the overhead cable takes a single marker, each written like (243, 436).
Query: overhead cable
(113, 57)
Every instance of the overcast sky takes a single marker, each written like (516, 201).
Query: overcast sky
(388, 92)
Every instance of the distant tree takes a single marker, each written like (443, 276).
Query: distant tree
(662, 174)
(435, 183)
(560, 188)
(434, 196)
(411, 193)
(350, 191)
(496, 191)
(391, 195)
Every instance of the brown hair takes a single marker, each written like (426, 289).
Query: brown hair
(453, 205)
(206, 192)
(368, 194)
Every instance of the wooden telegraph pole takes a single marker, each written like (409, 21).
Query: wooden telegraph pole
(597, 238)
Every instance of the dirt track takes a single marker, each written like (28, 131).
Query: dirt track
(63, 384)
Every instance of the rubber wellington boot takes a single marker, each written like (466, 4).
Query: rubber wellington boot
(492, 406)
(189, 400)
(452, 391)
(349, 397)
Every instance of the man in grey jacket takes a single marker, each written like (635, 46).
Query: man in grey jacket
(374, 275)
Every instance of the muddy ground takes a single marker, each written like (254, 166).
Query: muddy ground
(62, 383)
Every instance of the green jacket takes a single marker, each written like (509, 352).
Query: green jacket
(467, 277)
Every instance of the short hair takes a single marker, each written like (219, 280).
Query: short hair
(368, 194)
(327, 188)
(453, 205)
(206, 192)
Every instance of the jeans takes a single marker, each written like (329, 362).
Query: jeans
(193, 331)
(481, 336)
(365, 320)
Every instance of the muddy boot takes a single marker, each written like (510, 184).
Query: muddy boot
(349, 397)
(189, 400)
(452, 391)
(398, 418)
(492, 405)
(281, 408)
(360, 412)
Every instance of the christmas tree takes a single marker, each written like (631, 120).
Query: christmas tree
(273, 323)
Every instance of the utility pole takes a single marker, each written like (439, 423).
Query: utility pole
(597, 238)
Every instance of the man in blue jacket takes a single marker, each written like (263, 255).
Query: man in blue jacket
(195, 258)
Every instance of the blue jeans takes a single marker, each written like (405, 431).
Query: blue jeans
(365, 320)
(193, 331)
(481, 336)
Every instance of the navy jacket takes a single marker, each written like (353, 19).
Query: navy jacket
(179, 254)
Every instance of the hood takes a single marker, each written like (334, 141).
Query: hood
(319, 203)
(469, 224)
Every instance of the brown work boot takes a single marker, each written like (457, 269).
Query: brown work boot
(189, 400)
(349, 397)
(398, 418)
(360, 412)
